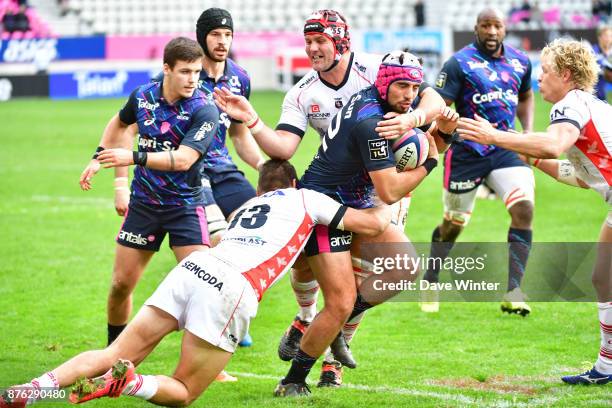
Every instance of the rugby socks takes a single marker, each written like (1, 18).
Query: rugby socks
(300, 367)
(604, 361)
(142, 386)
(519, 245)
(47, 380)
(351, 325)
(439, 249)
(306, 295)
(114, 332)
(360, 306)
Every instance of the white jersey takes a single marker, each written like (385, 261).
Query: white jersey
(591, 155)
(314, 101)
(266, 235)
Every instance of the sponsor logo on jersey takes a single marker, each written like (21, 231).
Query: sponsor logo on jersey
(338, 103)
(340, 241)
(204, 276)
(149, 144)
(360, 67)
(441, 80)
(309, 80)
(558, 113)
(379, 149)
(136, 239)
(479, 64)
(234, 81)
(319, 115)
(508, 95)
(149, 122)
(204, 129)
(462, 185)
(314, 108)
(516, 64)
(250, 241)
(183, 116)
(144, 104)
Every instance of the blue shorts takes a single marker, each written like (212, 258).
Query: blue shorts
(228, 188)
(464, 169)
(145, 226)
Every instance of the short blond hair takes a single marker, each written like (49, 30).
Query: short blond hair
(578, 58)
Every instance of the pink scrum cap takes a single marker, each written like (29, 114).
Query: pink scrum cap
(398, 66)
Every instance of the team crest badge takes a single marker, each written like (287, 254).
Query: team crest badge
(339, 103)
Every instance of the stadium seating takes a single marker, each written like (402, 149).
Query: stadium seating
(37, 26)
(163, 17)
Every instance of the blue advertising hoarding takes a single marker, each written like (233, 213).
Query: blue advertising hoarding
(417, 40)
(44, 50)
(96, 84)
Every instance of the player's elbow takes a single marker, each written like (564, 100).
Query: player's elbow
(550, 151)
(181, 163)
(387, 195)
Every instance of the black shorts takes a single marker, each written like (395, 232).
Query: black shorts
(324, 239)
(464, 169)
(145, 226)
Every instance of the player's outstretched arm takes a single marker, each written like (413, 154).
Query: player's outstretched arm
(171, 160)
(392, 186)
(246, 146)
(561, 170)
(544, 145)
(443, 127)
(277, 144)
(113, 135)
(369, 222)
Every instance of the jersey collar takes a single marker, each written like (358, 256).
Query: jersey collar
(344, 80)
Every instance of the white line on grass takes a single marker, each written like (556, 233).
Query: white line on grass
(499, 403)
(99, 201)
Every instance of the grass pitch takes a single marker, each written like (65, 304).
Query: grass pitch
(57, 253)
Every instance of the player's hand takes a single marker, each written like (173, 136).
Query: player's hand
(122, 200)
(447, 120)
(92, 168)
(478, 130)
(395, 124)
(115, 158)
(236, 106)
(433, 147)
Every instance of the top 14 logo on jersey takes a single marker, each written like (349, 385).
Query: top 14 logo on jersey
(379, 149)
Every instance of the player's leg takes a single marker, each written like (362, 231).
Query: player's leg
(601, 373)
(330, 261)
(139, 338)
(306, 290)
(130, 263)
(138, 239)
(463, 172)
(515, 185)
(199, 364)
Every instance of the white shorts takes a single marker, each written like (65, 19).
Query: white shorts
(209, 299)
(511, 184)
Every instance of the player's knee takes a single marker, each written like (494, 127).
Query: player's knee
(120, 289)
(522, 213)
(341, 306)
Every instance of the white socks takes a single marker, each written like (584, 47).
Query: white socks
(306, 295)
(142, 386)
(604, 362)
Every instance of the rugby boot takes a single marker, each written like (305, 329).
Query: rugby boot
(342, 352)
(514, 303)
(331, 374)
(591, 377)
(291, 390)
(290, 342)
(110, 384)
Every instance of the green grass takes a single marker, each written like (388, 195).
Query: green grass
(57, 253)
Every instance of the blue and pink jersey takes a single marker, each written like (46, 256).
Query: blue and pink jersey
(481, 84)
(191, 122)
(349, 150)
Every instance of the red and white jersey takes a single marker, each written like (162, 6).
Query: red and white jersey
(268, 232)
(591, 155)
(314, 101)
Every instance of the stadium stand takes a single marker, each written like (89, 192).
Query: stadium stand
(20, 20)
(157, 17)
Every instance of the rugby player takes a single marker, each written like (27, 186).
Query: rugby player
(354, 165)
(579, 126)
(177, 123)
(337, 74)
(493, 80)
(212, 295)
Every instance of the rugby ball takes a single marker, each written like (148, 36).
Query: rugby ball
(410, 150)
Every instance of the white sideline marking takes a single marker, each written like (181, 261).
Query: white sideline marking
(105, 202)
(543, 401)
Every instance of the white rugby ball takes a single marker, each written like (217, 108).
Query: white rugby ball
(410, 150)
